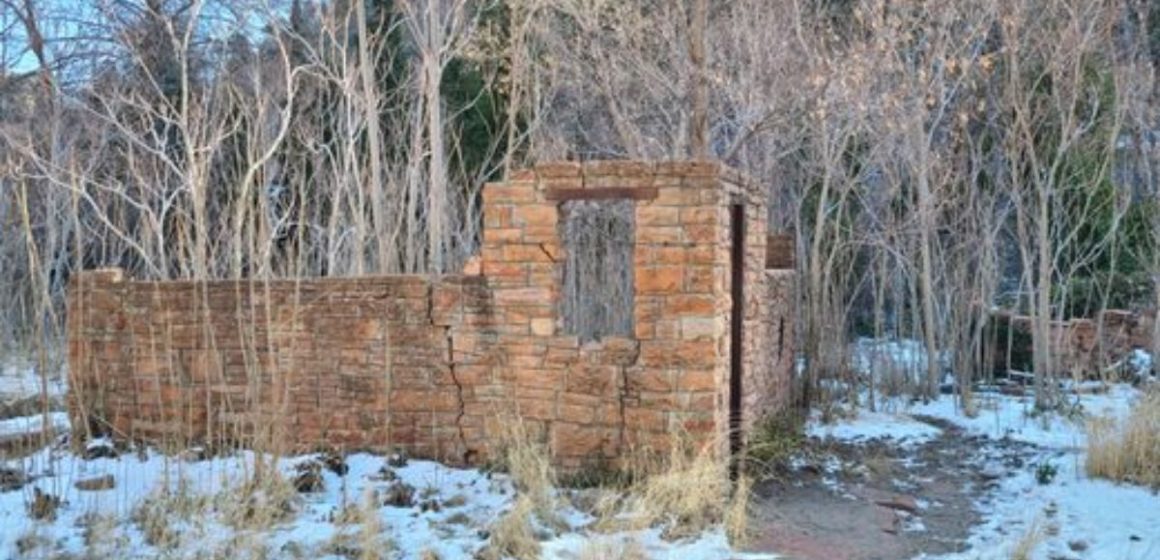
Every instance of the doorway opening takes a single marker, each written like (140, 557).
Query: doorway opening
(736, 333)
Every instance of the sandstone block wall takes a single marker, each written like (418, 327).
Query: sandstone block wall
(435, 365)
(1080, 346)
(352, 362)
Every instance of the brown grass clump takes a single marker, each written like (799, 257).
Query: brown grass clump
(157, 514)
(1028, 542)
(513, 535)
(685, 494)
(737, 512)
(528, 460)
(263, 499)
(687, 497)
(1127, 451)
(604, 549)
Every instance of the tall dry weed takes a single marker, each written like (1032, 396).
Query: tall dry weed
(1127, 450)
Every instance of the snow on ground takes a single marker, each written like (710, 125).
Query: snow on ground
(1074, 516)
(1107, 520)
(33, 424)
(452, 513)
(868, 425)
(1000, 416)
(1139, 362)
(20, 380)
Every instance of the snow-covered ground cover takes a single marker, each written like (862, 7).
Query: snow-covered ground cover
(867, 425)
(20, 425)
(191, 507)
(20, 380)
(1050, 505)
(1070, 515)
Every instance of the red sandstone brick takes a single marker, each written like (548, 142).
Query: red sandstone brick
(558, 170)
(682, 304)
(530, 252)
(502, 235)
(617, 168)
(330, 353)
(645, 419)
(697, 380)
(535, 408)
(497, 217)
(702, 234)
(574, 440)
(645, 330)
(577, 414)
(658, 280)
(535, 215)
(689, 168)
(699, 279)
(700, 216)
(659, 234)
(523, 296)
(511, 192)
(591, 380)
(668, 329)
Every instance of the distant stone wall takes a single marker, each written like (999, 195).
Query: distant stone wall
(436, 365)
(1078, 345)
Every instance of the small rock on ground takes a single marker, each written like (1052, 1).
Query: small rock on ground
(106, 482)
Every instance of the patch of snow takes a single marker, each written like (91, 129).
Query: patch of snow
(1139, 363)
(874, 425)
(33, 424)
(1075, 516)
(20, 380)
(1002, 416)
(470, 502)
(1114, 521)
(710, 545)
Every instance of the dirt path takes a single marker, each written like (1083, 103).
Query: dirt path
(880, 500)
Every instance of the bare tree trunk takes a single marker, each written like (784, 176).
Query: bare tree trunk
(370, 107)
(925, 276)
(437, 201)
(699, 127)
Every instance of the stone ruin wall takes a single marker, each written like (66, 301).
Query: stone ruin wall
(1079, 346)
(438, 365)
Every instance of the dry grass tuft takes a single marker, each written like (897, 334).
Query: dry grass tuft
(737, 512)
(160, 514)
(1127, 451)
(529, 463)
(513, 536)
(684, 495)
(689, 496)
(608, 549)
(263, 499)
(371, 543)
(1028, 542)
(101, 536)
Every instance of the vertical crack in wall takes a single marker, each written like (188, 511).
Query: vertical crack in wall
(623, 424)
(458, 392)
(447, 335)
